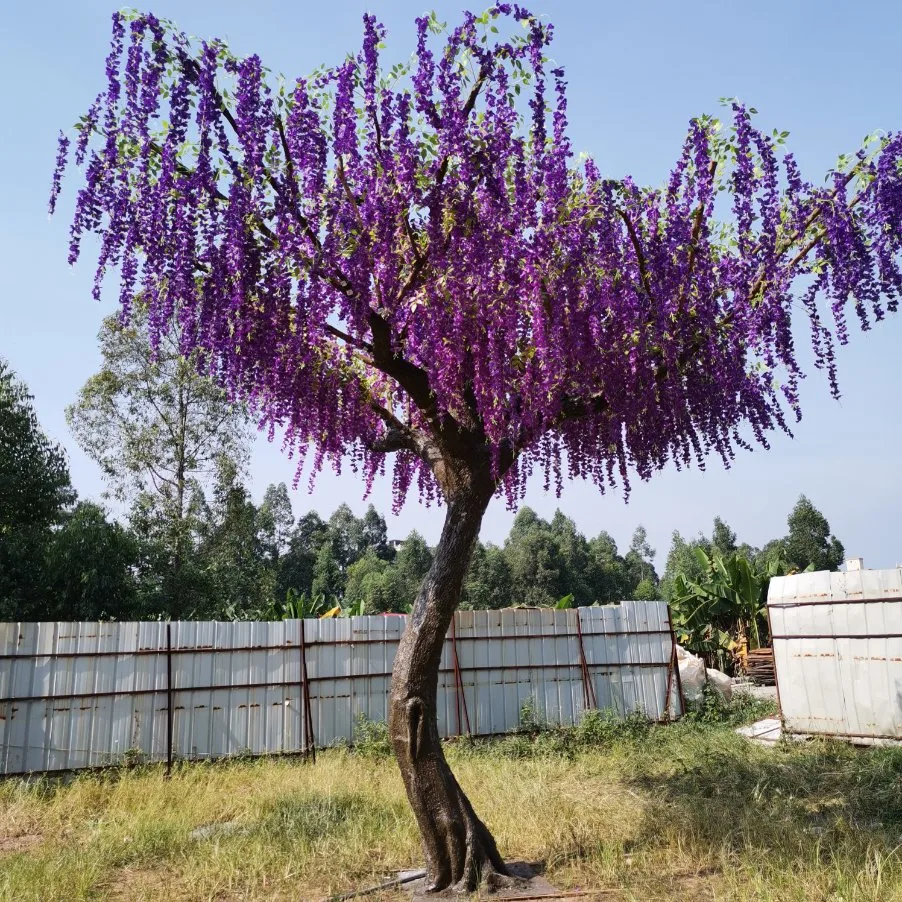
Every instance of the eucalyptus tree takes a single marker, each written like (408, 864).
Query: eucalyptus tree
(412, 261)
(159, 429)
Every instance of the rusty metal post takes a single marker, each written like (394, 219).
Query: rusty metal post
(310, 743)
(169, 711)
(460, 697)
(456, 670)
(588, 689)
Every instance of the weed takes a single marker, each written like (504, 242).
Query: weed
(530, 720)
(598, 728)
(371, 739)
(742, 708)
(308, 817)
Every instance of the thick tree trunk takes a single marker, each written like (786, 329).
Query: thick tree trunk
(459, 849)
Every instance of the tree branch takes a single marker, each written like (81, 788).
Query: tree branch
(393, 440)
(637, 247)
(411, 378)
(468, 108)
(693, 249)
(348, 339)
(289, 163)
(421, 260)
(759, 284)
(342, 177)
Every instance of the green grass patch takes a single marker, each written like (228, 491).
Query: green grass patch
(649, 812)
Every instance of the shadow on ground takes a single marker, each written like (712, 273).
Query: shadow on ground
(823, 798)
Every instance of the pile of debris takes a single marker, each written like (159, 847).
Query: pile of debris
(694, 676)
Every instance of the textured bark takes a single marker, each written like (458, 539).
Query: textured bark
(459, 849)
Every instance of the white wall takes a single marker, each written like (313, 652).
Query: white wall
(76, 695)
(837, 641)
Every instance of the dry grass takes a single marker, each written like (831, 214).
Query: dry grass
(684, 812)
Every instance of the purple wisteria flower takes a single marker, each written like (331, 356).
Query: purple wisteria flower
(370, 252)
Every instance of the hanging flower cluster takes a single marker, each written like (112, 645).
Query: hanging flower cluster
(368, 251)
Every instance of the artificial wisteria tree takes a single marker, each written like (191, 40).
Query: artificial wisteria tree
(412, 261)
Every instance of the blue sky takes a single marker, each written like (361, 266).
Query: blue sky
(638, 72)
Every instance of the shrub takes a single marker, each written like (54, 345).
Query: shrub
(371, 739)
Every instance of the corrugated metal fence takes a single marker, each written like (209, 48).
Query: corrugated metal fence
(837, 641)
(78, 695)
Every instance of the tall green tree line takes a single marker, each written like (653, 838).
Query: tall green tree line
(194, 544)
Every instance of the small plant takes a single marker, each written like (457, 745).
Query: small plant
(530, 719)
(295, 606)
(741, 709)
(607, 726)
(355, 609)
(133, 758)
(371, 739)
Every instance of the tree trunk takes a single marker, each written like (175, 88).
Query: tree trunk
(459, 849)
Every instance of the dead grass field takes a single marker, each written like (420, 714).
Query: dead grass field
(683, 812)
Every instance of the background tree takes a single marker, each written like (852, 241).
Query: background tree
(489, 583)
(607, 571)
(537, 566)
(402, 579)
(90, 564)
(366, 584)
(35, 493)
(157, 427)
(682, 560)
(413, 262)
(722, 537)
(374, 535)
(639, 561)
(296, 565)
(328, 575)
(647, 589)
(574, 551)
(230, 554)
(275, 521)
(809, 542)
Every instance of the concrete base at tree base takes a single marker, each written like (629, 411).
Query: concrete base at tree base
(530, 885)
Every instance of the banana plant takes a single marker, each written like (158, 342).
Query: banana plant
(723, 613)
(356, 609)
(296, 606)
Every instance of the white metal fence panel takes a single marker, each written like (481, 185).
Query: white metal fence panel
(78, 695)
(837, 640)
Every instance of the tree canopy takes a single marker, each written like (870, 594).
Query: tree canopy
(809, 542)
(162, 433)
(412, 259)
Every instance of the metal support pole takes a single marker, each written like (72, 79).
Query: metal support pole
(461, 698)
(588, 689)
(310, 744)
(169, 710)
(770, 633)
